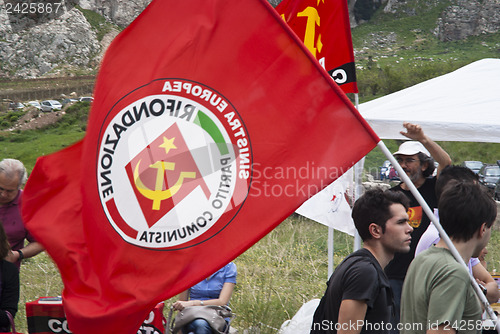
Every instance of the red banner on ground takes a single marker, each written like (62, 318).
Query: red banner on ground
(324, 27)
(211, 124)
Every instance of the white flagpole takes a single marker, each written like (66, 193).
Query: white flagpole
(330, 251)
(358, 190)
(442, 232)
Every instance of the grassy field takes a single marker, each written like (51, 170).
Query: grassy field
(27, 146)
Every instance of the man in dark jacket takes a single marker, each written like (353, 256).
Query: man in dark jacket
(358, 298)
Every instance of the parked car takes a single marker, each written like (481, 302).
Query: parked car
(384, 170)
(489, 176)
(66, 101)
(16, 105)
(475, 166)
(436, 166)
(496, 192)
(51, 105)
(35, 104)
(86, 99)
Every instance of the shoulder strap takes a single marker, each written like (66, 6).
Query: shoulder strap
(1, 277)
(11, 320)
(356, 257)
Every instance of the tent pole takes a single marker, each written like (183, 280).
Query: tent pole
(358, 190)
(442, 232)
(330, 251)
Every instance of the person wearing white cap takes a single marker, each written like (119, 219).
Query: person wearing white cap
(417, 158)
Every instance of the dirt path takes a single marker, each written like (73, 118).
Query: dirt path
(35, 119)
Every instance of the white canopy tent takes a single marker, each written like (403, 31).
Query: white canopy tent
(463, 105)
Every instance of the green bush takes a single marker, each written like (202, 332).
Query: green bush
(8, 119)
(375, 81)
(98, 22)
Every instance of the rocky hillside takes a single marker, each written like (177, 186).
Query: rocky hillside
(70, 39)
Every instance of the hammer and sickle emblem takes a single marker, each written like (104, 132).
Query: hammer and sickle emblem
(157, 195)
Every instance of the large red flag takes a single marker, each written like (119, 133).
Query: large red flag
(211, 124)
(324, 27)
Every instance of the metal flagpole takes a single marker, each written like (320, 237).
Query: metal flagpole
(442, 232)
(358, 190)
(330, 251)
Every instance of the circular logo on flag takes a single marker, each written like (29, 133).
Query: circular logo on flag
(174, 164)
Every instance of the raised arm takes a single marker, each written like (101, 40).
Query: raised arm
(415, 132)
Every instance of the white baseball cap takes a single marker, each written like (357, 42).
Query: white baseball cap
(411, 148)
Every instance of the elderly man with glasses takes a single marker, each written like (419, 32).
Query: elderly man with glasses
(416, 157)
(13, 175)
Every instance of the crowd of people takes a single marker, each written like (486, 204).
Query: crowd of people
(405, 278)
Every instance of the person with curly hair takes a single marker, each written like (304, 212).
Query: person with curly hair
(417, 158)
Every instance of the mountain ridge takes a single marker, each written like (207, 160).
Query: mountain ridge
(71, 41)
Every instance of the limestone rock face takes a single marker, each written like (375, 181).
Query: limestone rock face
(58, 39)
(31, 49)
(461, 19)
(120, 12)
(63, 41)
(468, 18)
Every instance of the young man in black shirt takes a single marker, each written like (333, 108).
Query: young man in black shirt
(358, 298)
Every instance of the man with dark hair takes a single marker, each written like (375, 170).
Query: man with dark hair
(437, 292)
(431, 235)
(449, 173)
(417, 159)
(457, 173)
(358, 297)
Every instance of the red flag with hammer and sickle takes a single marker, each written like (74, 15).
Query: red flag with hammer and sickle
(324, 27)
(211, 124)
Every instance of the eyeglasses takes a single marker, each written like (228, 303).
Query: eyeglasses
(407, 161)
(8, 191)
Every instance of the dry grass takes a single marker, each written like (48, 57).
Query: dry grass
(39, 277)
